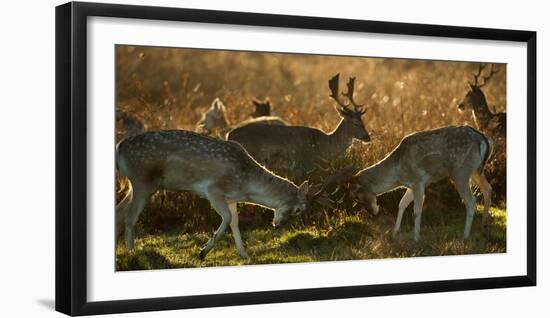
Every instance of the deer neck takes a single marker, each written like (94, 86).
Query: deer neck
(482, 115)
(270, 191)
(223, 131)
(340, 139)
(382, 176)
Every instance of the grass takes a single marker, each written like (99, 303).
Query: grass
(352, 237)
(169, 88)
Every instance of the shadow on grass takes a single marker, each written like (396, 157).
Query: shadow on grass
(348, 237)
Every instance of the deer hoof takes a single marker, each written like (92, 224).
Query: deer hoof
(244, 255)
(202, 254)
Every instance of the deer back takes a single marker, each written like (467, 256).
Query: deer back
(434, 154)
(297, 143)
(178, 160)
(214, 120)
(264, 120)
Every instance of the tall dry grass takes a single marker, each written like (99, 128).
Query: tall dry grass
(171, 87)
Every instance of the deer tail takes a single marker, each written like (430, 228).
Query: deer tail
(486, 149)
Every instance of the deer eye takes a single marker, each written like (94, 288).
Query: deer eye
(297, 211)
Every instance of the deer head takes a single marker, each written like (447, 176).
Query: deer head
(128, 124)
(263, 108)
(351, 116)
(214, 118)
(475, 96)
(347, 179)
(294, 207)
(307, 196)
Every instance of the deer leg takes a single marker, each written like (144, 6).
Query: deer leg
(418, 203)
(407, 198)
(219, 204)
(121, 211)
(463, 187)
(486, 190)
(141, 193)
(235, 229)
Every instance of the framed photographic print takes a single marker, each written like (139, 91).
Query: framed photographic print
(208, 158)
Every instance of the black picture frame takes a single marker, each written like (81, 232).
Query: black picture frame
(71, 157)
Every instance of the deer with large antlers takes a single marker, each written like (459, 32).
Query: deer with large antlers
(220, 171)
(214, 120)
(303, 148)
(487, 121)
(458, 152)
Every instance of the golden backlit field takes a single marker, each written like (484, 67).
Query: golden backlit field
(170, 88)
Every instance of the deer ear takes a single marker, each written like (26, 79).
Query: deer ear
(303, 189)
(217, 104)
(255, 102)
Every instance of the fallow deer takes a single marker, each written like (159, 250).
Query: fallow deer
(491, 123)
(128, 124)
(220, 171)
(458, 152)
(305, 146)
(214, 120)
(261, 108)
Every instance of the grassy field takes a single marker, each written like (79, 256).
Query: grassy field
(170, 88)
(350, 237)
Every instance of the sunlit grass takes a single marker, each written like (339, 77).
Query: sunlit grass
(350, 238)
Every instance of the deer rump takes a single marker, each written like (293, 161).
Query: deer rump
(295, 147)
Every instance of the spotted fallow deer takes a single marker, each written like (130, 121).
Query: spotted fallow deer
(491, 123)
(214, 120)
(300, 147)
(220, 171)
(458, 152)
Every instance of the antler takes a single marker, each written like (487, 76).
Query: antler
(318, 195)
(333, 84)
(488, 77)
(349, 95)
(338, 177)
(476, 76)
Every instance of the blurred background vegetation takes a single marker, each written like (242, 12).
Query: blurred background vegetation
(169, 88)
